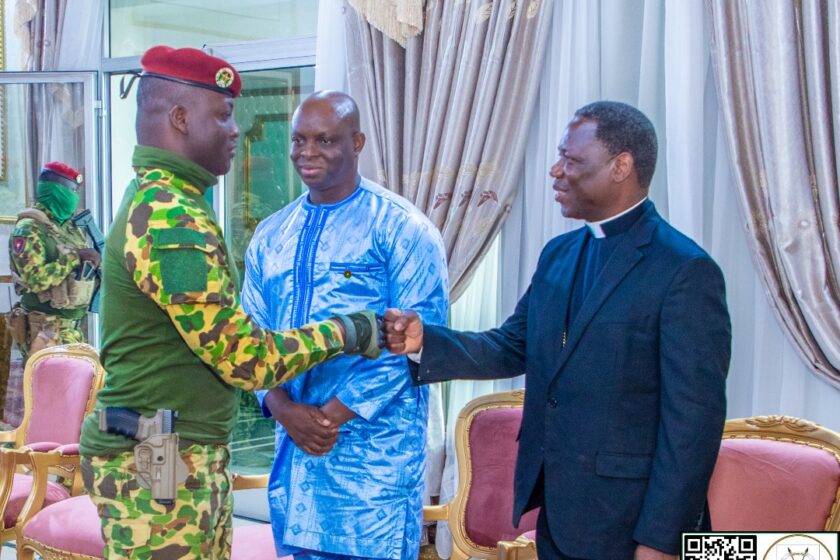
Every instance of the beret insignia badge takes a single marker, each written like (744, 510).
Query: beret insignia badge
(224, 77)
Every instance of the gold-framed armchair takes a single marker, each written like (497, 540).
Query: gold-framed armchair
(773, 473)
(59, 388)
(480, 514)
(776, 473)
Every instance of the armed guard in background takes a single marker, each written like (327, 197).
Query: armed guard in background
(55, 270)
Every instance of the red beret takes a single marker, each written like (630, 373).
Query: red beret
(57, 172)
(192, 67)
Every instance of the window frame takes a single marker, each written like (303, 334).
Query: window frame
(275, 54)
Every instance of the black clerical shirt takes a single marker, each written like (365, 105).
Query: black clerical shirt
(601, 241)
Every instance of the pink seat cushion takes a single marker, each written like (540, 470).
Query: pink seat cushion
(60, 389)
(71, 525)
(43, 446)
(530, 535)
(21, 486)
(493, 449)
(254, 542)
(764, 485)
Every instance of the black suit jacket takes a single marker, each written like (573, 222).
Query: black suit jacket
(626, 420)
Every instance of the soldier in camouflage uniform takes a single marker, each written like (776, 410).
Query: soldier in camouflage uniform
(174, 333)
(54, 267)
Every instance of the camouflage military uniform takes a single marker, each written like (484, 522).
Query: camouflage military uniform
(46, 268)
(199, 527)
(176, 337)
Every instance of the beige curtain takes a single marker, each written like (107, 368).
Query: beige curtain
(777, 64)
(399, 20)
(447, 117)
(39, 25)
(55, 128)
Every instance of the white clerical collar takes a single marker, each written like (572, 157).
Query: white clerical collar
(597, 229)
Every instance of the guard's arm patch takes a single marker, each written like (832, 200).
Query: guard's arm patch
(29, 254)
(18, 243)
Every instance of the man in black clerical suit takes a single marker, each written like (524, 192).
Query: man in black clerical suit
(624, 339)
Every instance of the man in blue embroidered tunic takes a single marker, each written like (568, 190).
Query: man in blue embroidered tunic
(349, 468)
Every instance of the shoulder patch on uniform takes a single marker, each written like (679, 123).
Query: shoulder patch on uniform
(182, 254)
(179, 236)
(18, 243)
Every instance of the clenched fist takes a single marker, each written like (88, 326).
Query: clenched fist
(403, 331)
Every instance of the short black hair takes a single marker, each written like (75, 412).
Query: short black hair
(623, 128)
(155, 97)
(154, 91)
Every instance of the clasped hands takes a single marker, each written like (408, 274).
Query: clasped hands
(314, 430)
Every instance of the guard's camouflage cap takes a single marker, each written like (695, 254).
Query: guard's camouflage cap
(192, 67)
(61, 173)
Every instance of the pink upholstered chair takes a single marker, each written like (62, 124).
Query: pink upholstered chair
(70, 530)
(773, 473)
(479, 516)
(776, 473)
(60, 386)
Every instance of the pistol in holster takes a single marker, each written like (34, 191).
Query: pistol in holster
(157, 460)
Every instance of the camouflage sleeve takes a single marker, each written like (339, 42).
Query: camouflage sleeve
(176, 258)
(29, 256)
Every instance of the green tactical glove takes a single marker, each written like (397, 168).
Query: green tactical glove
(363, 333)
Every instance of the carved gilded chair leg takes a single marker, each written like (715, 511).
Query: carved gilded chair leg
(458, 554)
(25, 553)
(522, 548)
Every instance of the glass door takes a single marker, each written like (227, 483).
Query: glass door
(44, 116)
(260, 182)
(262, 179)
